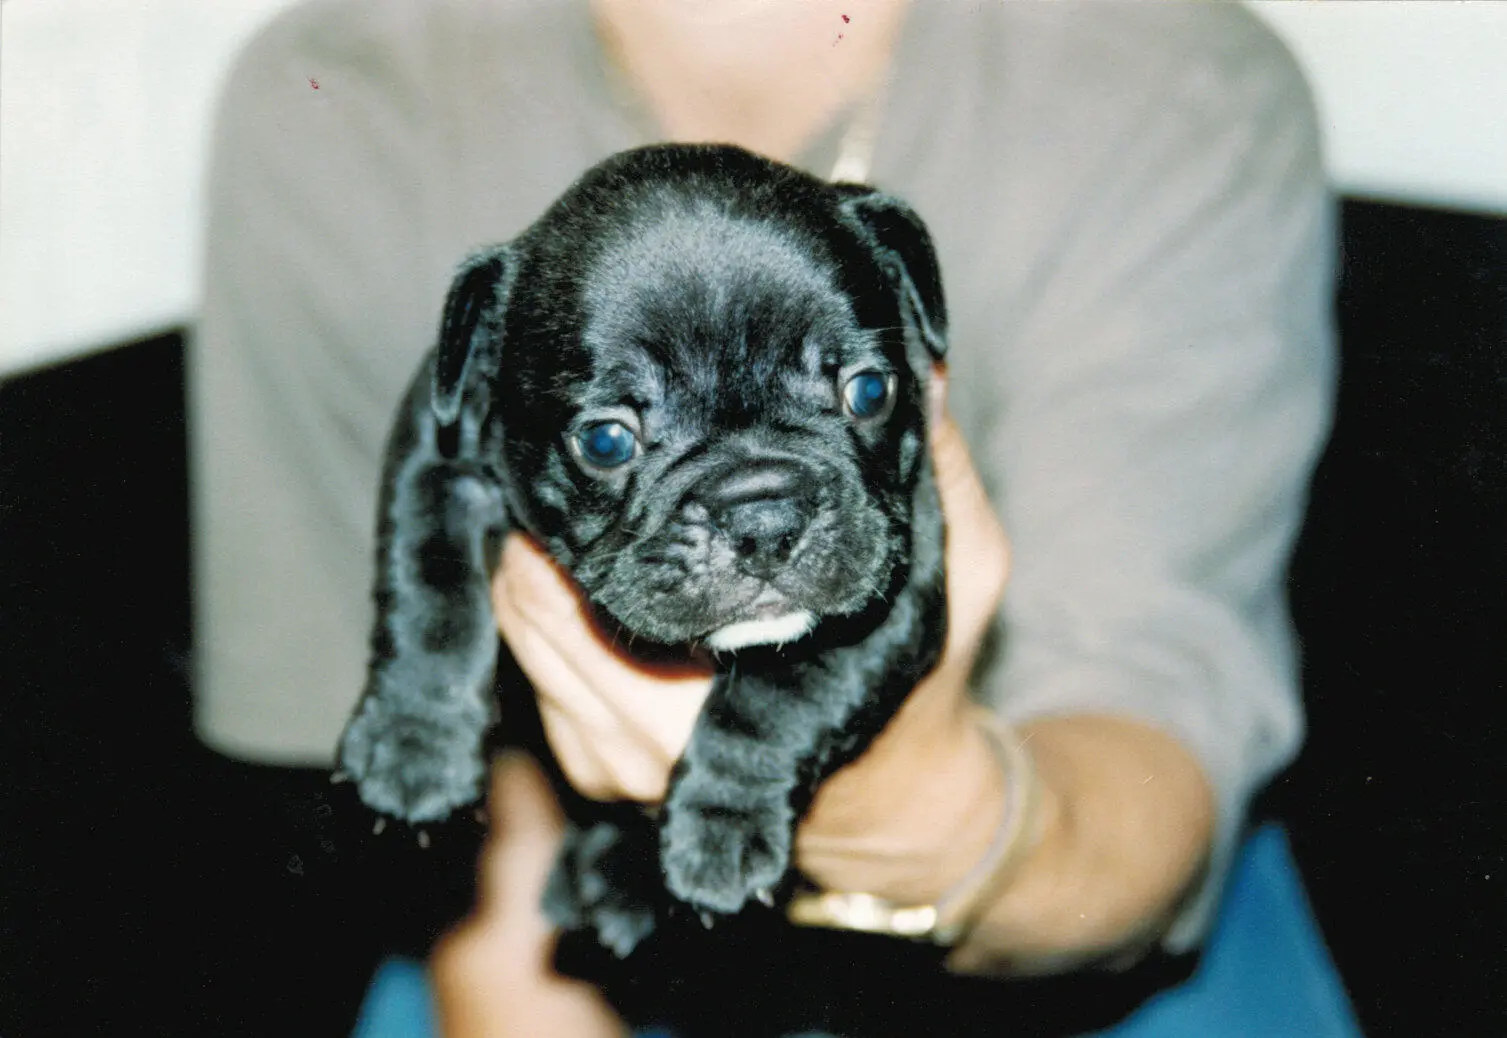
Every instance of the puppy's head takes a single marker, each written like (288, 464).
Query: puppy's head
(701, 376)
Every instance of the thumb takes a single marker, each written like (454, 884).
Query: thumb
(493, 975)
(964, 499)
(527, 826)
(978, 551)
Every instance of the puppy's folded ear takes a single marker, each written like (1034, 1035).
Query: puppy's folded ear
(901, 243)
(470, 344)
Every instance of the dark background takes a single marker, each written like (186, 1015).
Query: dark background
(127, 870)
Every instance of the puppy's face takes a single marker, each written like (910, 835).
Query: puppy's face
(736, 459)
(717, 419)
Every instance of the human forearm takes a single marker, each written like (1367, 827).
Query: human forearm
(1126, 821)
(1123, 823)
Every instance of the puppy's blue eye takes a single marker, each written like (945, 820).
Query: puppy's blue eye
(606, 445)
(867, 394)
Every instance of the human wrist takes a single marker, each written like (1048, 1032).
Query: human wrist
(949, 917)
(927, 813)
(1125, 818)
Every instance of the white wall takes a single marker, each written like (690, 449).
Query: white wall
(1412, 95)
(105, 107)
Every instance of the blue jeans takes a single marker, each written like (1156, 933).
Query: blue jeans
(1265, 972)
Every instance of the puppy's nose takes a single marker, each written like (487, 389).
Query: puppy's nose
(763, 533)
(762, 511)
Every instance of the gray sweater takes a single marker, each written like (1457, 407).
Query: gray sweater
(1136, 242)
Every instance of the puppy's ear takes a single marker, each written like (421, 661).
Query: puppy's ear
(903, 247)
(470, 343)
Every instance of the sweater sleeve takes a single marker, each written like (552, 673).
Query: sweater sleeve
(319, 297)
(1163, 401)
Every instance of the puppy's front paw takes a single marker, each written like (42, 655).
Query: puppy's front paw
(416, 768)
(600, 883)
(717, 857)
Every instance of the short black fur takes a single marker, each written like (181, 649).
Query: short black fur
(712, 304)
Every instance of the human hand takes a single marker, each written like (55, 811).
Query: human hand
(900, 821)
(616, 723)
(493, 976)
(912, 815)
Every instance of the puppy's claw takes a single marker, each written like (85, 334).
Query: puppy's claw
(706, 919)
(337, 777)
(378, 826)
(765, 897)
(424, 839)
(480, 815)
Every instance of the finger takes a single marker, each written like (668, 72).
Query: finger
(606, 765)
(575, 672)
(936, 396)
(492, 975)
(978, 551)
(532, 589)
(971, 516)
(958, 481)
(528, 581)
(605, 752)
(521, 792)
(615, 731)
(580, 753)
(526, 831)
(545, 620)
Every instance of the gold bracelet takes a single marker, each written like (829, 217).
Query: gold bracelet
(946, 920)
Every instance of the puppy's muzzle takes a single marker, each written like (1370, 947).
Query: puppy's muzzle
(760, 510)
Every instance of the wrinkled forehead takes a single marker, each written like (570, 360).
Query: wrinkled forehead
(696, 282)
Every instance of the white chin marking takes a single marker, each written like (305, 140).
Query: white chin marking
(775, 631)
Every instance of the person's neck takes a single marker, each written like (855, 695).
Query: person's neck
(770, 75)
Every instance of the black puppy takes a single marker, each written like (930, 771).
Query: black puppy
(700, 381)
